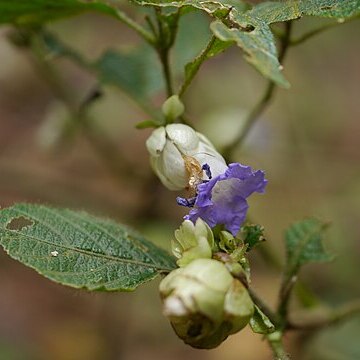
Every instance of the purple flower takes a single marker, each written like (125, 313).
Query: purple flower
(222, 200)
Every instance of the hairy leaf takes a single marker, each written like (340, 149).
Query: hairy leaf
(80, 250)
(210, 7)
(304, 244)
(276, 11)
(256, 40)
(330, 8)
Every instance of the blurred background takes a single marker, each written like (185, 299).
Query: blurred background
(307, 142)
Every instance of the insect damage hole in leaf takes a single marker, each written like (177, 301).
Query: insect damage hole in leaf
(19, 223)
(248, 28)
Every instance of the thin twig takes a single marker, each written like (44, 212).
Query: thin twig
(286, 288)
(197, 64)
(276, 345)
(198, 61)
(163, 46)
(263, 102)
(315, 320)
(304, 294)
(301, 39)
(146, 35)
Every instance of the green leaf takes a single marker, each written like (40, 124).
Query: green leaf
(304, 244)
(211, 7)
(271, 11)
(250, 31)
(257, 41)
(260, 323)
(24, 12)
(252, 35)
(80, 250)
(275, 11)
(137, 72)
(35, 11)
(338, 9)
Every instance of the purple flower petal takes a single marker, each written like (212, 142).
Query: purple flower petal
(222, 200)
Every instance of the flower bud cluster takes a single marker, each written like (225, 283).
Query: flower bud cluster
(202, 300)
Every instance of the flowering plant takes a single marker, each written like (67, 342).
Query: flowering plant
(206, 285)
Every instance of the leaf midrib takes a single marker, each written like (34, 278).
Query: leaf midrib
(89, 253)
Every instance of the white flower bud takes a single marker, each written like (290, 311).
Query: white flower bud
(177, 154)
(204, 303)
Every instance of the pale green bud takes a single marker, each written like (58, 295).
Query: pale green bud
(193, 241)
(227, 242)
(204, 303)
(172, 108)
(173, 147)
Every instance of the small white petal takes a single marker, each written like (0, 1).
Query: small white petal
(174, 166)
(156, 142)
(173, 306)
(183, 136)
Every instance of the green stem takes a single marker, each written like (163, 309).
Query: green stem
(284, 295)
(263, 102)
(196, 66)
(124, 18)
(312, 320)
(164, 58)
(164, 42)
(320, 30)
(276, 345)
(304, 294)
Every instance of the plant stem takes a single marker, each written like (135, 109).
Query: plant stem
(164, 58)
(164, 42)
(276, 344)
(124, 18)
(317, 31)
(263, 102)
(314, 320)
(284, 295)
(196, 66)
